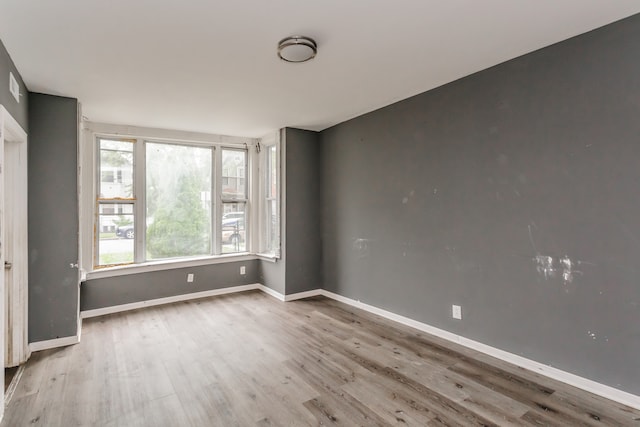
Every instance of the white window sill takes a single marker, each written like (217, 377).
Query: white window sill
(268, 257)
(123, 270)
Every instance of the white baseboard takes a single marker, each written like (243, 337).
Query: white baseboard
(269, 291)
(58, 342)
(301, 295)
(167, 300)
(290, 297)
(574, 380)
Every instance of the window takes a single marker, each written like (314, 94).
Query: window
(272, 200)
(234, 201)
(167, 200)
(115, 202)
(270, 194)
(178, 200)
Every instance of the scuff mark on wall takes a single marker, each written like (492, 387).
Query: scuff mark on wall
(544, 265)
(555, 267)
(405, 199)
(567, 269)
(362, 247)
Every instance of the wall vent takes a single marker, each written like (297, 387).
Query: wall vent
(14, 87)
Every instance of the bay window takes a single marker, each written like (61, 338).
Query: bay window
(158, 200)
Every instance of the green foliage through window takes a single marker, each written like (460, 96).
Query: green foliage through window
(181, 225)
(178, 188)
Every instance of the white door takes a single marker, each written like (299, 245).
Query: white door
(2, 259)
(13, 240)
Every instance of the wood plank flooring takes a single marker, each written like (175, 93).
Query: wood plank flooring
(250, 360)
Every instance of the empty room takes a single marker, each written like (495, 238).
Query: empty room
(350, 213)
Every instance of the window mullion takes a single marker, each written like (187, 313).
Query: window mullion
(217, 201)
(214, 203)
(139, 168)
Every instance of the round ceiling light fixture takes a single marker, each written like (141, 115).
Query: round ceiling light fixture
(297, 49)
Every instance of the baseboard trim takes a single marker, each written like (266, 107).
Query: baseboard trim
(574, 380)
(58, 342)
(302, 295)
(86, 314)
(267, 290)
(290, 297)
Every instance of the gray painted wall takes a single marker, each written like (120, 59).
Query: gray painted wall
(299, 266)
(19, 111)
(304, 253)
(107, 292)
(448, 198)
(272, 274)
(53, 217)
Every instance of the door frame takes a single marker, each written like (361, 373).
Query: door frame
(14, 235)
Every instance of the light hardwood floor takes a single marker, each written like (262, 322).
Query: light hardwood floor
(249, 360)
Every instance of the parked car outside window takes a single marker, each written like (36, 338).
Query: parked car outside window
(126, 231)
(231, 215)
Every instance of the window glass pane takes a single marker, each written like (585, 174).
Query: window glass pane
(234, 163)
(270, 218)
(178, 200)
(116, 169)
(272, 225)
(233, 228)
(115, 238)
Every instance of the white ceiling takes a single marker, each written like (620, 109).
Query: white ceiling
(211, 66)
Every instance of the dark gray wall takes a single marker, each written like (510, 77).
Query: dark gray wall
(272, 274)
(19, 111)
(53, 217)
(299, 266)
(107, 292)
(448, 198)
(304, 253)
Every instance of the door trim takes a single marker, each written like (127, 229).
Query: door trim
(13, 143)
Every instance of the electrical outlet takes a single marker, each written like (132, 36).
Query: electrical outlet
(456, 312)
(189, 277)
(243, 270)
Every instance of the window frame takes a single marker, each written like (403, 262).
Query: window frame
(264, 248)
(89, 186)
(246, 200)
(212, 240)
(100, 200)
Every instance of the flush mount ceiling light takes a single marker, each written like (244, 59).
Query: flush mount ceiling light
(297, 49)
